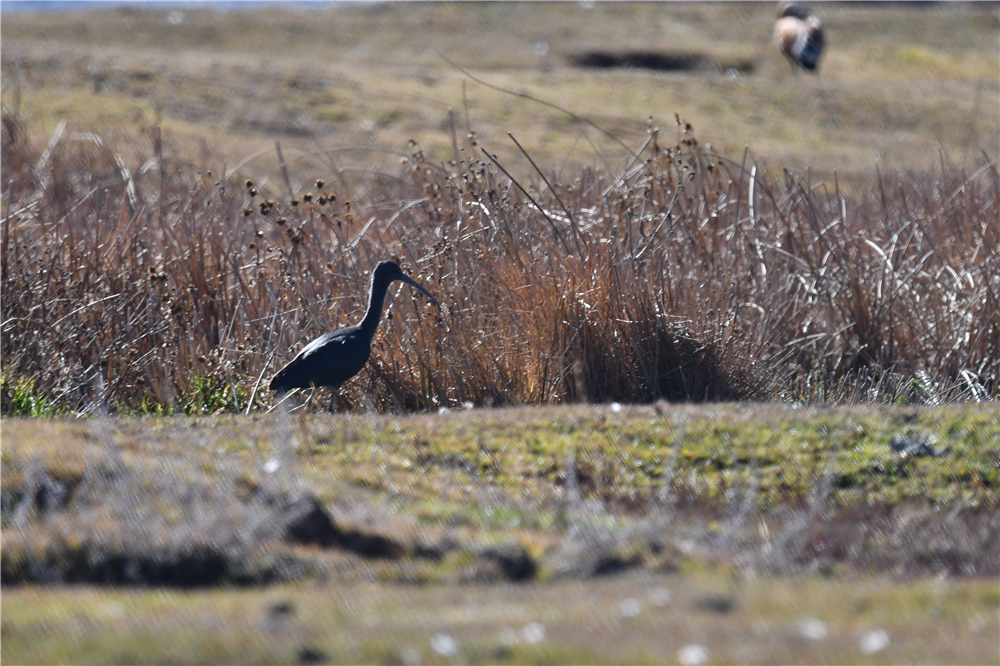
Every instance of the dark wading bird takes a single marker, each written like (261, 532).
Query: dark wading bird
(799, 35)
(333, 358)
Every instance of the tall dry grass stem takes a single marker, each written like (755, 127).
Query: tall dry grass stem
(685, 276)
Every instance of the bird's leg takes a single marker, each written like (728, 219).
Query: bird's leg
(333, 397)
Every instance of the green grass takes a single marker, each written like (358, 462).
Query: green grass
(630, 455)
(19, 397)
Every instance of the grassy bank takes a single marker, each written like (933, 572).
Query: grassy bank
(819, 480)
(625, 534)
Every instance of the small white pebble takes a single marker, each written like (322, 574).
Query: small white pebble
(271, 466)
(533, 633)
(811, 628)
(874, 641)
(468, 404)
(692, 655)
(442, 410)
(659, 596)
(411, 656)
(615, 407)
(630, 607)
(444, 645)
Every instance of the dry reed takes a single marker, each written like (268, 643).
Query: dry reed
(133, 280)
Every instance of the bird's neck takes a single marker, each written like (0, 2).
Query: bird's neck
(376, 297)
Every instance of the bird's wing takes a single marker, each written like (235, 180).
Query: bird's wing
(340, 336)
(329, 360)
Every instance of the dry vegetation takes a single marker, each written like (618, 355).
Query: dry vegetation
(139, 272)
(160, 254)
(133, 280)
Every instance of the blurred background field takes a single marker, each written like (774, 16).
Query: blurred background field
(899, 82)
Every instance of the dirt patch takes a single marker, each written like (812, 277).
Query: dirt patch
(660, 61)
(655, 60)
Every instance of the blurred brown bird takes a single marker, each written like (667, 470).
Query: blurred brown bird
(799, 35)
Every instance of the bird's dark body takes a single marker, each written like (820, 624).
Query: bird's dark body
(329, 360)
(333, 358)
(810, 53)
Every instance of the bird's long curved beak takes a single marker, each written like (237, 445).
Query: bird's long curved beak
(413, 283)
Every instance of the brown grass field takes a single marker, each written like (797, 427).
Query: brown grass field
(898, 83)
(692, 315)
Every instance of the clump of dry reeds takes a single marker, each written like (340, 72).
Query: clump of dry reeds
(144, 284)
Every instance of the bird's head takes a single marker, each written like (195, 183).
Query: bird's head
(390, 271)
(793, 9)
